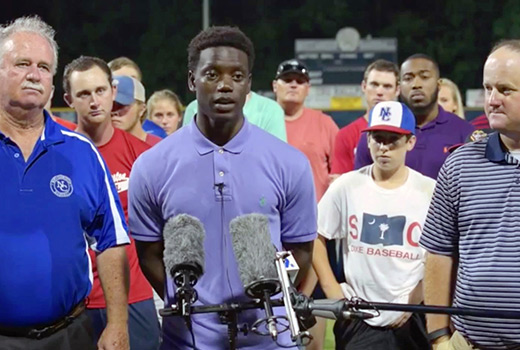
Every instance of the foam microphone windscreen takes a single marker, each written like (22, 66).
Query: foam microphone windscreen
(183, 242)
(254, 251)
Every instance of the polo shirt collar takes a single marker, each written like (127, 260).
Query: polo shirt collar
(495, 150)
(51, 131)
(442, 117)
(235, 145)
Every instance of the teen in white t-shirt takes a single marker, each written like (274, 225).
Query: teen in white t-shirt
(378, 212)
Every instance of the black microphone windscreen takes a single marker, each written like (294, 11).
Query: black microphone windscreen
(183, 242)
(254, 251)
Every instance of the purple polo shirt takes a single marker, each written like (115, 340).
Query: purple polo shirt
(432, 147)
(261, 174)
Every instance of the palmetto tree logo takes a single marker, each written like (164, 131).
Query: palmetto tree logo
(383, 228)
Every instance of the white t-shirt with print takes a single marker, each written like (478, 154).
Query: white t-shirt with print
(380, 228)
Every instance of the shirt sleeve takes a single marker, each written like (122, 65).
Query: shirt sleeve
(332, 132)
(107, 228)
(440, 234)
(274, 121)
(332, 211)
(144, 214)
(298, 214)
(189, 112)
(363, 157)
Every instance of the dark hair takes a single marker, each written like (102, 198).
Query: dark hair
(424, 57)
(512, 44)
(120, 62)
(220, 36)
(82, 64)
(382, 66)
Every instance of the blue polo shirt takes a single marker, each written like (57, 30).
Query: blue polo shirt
(474, 216)
(432, 147)
(53, 207)
(259, 174)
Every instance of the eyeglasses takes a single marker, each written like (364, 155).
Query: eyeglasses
(292, 67)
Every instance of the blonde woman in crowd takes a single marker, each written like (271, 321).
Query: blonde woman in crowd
(450, 98)
(165, 109)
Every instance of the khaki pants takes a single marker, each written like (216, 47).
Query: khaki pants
(457, 342)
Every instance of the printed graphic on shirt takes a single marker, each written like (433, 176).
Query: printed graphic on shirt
(121, 181)
(382, 229)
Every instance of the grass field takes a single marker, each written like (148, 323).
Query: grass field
(329, 336)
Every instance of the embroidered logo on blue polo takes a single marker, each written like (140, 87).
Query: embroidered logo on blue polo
(61, 186)
(262, 201)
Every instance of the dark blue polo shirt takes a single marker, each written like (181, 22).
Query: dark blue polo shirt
(54, 206)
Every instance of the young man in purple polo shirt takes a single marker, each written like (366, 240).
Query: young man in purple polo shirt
(225, 168)
(436, 130)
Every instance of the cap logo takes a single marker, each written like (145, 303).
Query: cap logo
(385, 114)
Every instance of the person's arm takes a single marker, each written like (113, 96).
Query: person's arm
(439, 279)
(320, 263)
(112, 266)
(302, 253)
(151, 261)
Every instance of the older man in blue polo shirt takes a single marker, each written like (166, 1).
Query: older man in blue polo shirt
(225, 167)
(436, 130)
(58, 198)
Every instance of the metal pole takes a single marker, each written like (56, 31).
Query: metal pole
(205, 14)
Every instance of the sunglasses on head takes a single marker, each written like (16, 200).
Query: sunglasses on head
(288, 67)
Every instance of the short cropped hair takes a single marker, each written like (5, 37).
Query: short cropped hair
(382, 66)
(81, 64)
(32, 24)
(220, 36)
(427, 58)
(120, 62)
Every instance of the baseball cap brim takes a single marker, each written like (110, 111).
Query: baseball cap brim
(389, 128)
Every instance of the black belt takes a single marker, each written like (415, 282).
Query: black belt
(43, 331)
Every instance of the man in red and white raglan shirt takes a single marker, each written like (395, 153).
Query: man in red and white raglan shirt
(380, 83)
(87, 82)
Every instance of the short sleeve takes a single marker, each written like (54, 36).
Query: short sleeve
(189, 113)
(363, 157)
(331, 211)
(440, 234)
(144, 215)
(298, 215)
(273, 120)
(107, 228)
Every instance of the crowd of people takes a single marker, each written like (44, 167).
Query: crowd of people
(398, 206)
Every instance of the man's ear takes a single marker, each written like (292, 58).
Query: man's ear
(191, 81)
(68, 100)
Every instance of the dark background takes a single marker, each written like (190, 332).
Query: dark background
(155, 33)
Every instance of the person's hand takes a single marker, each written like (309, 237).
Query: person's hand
(114, 337)
(442, 343)
(401, 320)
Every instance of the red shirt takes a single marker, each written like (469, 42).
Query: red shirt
(480, 122)
(345, 146)
(120, 154)
(65, 123)
(152, 140)
(313, 133)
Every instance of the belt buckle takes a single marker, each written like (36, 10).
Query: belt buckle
(38, 333)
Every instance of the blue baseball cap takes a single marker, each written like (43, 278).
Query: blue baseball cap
(128, 90)
(391, 116)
